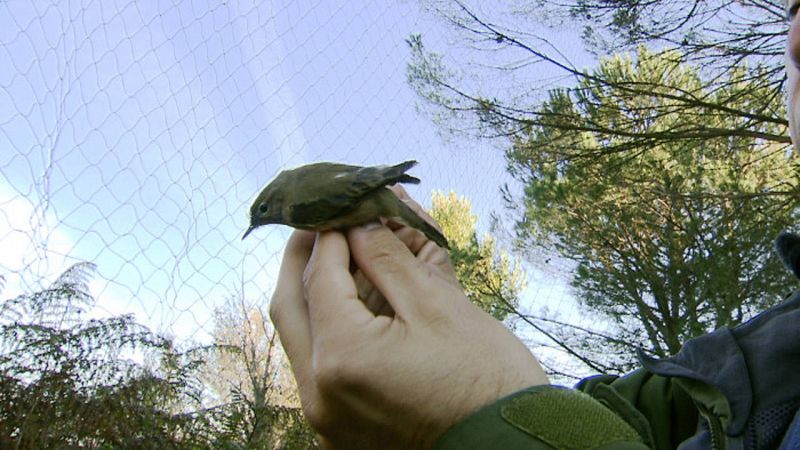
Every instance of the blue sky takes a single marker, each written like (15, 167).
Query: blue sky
(136, 134)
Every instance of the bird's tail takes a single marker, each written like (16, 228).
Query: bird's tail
(415, 221)
(397, 173)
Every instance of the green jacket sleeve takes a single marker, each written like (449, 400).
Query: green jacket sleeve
(543, 417)
(658, 407)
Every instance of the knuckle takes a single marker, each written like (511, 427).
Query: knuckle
(309, 278)
(276, 308)
(386, 257)
(334, 372)
(328, 373)
(317, 416)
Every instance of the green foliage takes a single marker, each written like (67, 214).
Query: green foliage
(238, 425)
(66, 381)
(491, 279)
(662, 184)
(671, 239)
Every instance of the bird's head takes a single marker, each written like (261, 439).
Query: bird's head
(266, 209)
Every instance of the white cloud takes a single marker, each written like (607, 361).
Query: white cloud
(31, 249)
(34, 252)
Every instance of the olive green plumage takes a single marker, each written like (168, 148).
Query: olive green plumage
(326, 196)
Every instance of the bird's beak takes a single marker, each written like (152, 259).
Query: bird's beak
(249, 230)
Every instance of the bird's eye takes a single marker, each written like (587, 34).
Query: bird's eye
(262, 208)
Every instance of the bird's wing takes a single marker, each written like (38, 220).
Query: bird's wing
(371, 178)
(341, 187)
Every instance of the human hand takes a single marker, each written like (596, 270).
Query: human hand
(393, 356)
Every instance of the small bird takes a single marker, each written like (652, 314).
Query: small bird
(326, 196)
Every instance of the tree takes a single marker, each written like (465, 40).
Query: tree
(506, 54)
(68, 381)
(721, 33)
(258, 404)
(656, 180)
(491, 279)
(718, 35)
(668, 243)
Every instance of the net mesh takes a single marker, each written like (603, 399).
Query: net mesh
(135, 134)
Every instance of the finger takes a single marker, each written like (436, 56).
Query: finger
(333, 305)
(390, 266)
(288, 309)
(372, 297)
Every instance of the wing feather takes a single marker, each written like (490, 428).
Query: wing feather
(337, 189)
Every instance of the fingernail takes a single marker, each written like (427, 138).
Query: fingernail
(371, 225)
